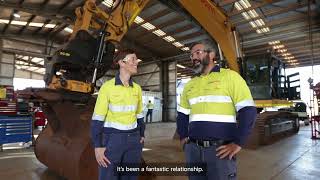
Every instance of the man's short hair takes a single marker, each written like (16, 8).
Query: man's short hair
(120, 55)
(208, 45)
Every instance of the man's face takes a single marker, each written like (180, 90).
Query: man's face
(198, 53)
(130, 63)
(200, 58)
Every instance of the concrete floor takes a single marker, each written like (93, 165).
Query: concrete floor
(294, 158)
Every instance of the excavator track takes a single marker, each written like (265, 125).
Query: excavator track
(271, 127)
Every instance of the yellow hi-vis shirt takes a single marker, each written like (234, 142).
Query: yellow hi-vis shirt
(215, 97)
(150, 106)
(119, 106)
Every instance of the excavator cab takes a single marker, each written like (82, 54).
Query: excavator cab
(266, 78)
(72, 67)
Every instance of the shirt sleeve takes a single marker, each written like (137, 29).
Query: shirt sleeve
(245, 107)
(140, 116)
(98, 117)
(183, 115)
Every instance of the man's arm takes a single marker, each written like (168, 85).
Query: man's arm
(140, 115)
(100, 111)
(183, 116)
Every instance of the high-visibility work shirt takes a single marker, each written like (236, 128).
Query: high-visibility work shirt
(150, 106)
(117, 109)
(211, 103)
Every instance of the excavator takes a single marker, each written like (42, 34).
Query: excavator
(64, 146)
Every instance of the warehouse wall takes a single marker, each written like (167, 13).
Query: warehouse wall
(6, 67)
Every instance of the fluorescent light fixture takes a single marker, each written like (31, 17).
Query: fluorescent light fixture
(169, 38)
(185, 49)
(138, 20)
(253, 24)
(245, 15)
(266, 29)
(274, 42)
(286, 54)
(178, 73)
(245, 3)
(278, 46)
(107, 3)
(259, 22)
(282, 50)
(238, 6)
(258, 31)
(253, 13)
(67, 29)
(20, 23)
(180, 66)
(159, 32)
(34, 24)
(148, 26)
(139, 60)
(293, 61)
(177, 44)
(50, 25)
(4, 21)
(16, 15)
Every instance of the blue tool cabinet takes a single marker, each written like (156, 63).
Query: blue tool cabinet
(15, 128)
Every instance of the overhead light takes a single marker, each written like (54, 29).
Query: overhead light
(238, 6)
(259, 22)
(148, 26)
(67, 29)
(185, 49)
(278, 46)
(16, 15)
(177, 44)
(159, 32)
(253, 13)
(180, 66)
(20, 23)
(138, 20)
(293, 61)
(245, 15)
(266, 29)
(107, 3)
(245, 3)
(286, 54)
(139, 60)
(258, 31)
(282, 50)
(274, 42)
(253, 24)
(4, 21)
(178, 73)
(169, 38)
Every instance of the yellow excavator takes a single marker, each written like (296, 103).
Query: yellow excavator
(64, 145)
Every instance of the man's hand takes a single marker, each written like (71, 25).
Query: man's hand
(228, 150)
(101, 158)
(142, 140)
(183, 142)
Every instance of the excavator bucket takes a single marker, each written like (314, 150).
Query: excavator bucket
(64, 145)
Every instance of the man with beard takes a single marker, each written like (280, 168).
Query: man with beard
(206, 122)
(117, 126)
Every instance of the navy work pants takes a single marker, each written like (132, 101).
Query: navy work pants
(121, 149)
(149, 113)
(217, 169)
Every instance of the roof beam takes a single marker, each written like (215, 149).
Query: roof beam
(47, 13)
(258, 5)
(272, 12)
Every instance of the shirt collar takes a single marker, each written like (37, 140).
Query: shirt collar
(119, 82)
(216, 68)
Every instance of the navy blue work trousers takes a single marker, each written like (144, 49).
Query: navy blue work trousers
(217, 169)
(122, 149)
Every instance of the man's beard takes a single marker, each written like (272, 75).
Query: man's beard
(199, 68)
